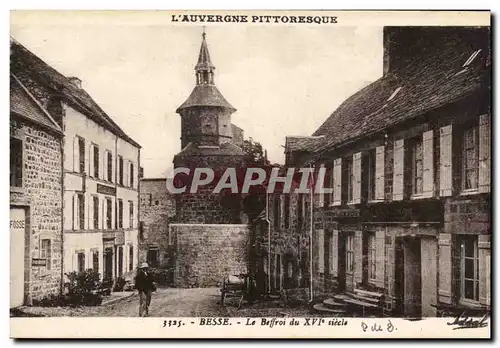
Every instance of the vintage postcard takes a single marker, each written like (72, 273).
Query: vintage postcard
(250, 174)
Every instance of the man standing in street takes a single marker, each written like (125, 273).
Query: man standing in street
(145, 286)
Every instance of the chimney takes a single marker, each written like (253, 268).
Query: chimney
(75, 81)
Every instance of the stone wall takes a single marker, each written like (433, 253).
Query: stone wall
(207, 253)
(41, 195)
(156, 209)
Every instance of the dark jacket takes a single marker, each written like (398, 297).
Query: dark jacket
(144, 281)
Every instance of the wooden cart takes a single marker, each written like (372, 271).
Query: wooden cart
(242, 286)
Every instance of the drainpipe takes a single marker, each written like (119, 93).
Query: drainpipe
(311, 237)
(61, 145)
(268, 245)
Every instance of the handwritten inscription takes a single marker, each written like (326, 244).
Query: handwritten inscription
(378, 326)
(463, 321)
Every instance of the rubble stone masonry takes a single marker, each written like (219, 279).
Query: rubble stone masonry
(41, 196)
(207, 253)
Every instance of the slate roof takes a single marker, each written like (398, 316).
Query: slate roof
(426, 84)
(205, 95)
(204, 62)
(22, 60)
(23, 104)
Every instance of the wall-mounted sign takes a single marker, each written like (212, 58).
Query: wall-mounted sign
(344, 213)
(106, 190)
(39, 262)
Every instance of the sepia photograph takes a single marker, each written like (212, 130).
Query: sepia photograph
(260, 169)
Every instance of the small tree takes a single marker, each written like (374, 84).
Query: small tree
(82, 287)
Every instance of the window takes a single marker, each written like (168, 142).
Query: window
(417, 162)
(81, 151)
(95, 260)
(95, 151)
(131, 258)
(95, 200)
(349, 253)
(109, 209)
(16, 162)
(350, 179)
(470, 160)
(109, 165)
(153, 257)
(81, 261)
(131, 213)
(131, 175)
(330, 181)
(120, 170)
(372, 258)
(277, 212)
(469, 268)
(287, 211)
(46, 252)
(370, 159)
(81, 211)
(120, 213)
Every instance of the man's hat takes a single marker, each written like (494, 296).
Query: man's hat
(144, 265)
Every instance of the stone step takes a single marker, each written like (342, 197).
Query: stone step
(320, 307)
(341, 298)
(331, 303)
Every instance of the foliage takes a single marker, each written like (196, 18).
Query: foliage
(84, 288)
(162, 276)
(254, 152)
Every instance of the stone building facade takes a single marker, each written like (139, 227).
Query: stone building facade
(100, 172)
(408, 160)
(36, 199)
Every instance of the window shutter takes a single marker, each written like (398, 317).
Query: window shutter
(321, 196)
(104, 166)
(428, 163)
(91, 160)
(337, 181)
(75, 212)
(379, 173)
(126, 168)
(484, 153)
(356, 168)
(334, 253)
(484, 247)
(90, 214)
(380, 257)
(398, 183)
(445, 268)
(445, 169)
(76, 155)
(74, 261)
(321, 251)
(358, 253)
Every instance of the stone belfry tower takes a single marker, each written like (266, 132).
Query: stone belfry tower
(207, 141)
(206, 114)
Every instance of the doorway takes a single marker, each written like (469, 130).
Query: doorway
(412, 283)
(108, 264)
(17, 250)
(341, 262)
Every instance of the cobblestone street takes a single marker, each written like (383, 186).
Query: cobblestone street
(174, 302)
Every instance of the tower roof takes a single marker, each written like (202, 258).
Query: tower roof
(205, 93)
(204, 62)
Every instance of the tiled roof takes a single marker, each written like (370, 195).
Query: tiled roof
(302, 143)
(225, 149)
(205, 95)
(24, 105)
(24, 61)
(425, 84)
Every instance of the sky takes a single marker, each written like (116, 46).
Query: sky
(283, 80)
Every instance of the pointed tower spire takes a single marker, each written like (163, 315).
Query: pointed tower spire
(204, 68)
